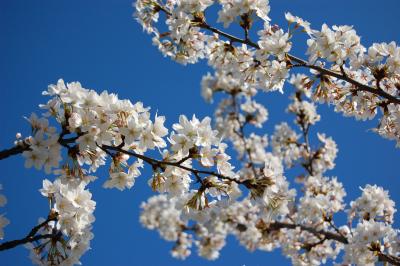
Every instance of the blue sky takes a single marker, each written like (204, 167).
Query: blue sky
(99, 44)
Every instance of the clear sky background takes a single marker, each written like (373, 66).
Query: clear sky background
(99, 44)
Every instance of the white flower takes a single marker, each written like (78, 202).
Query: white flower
(235, 8)
(207, 156)
(366, 234)
(74, 209)
(326, 154)
(306, 112)
(3, 223)
(120, 180)
(335, 45)
(132, 131)
(160, 213)
(49, 188)
(374, 203)
(34, 158)
(299, 22)
(159, 130)
(75, 121)
(284, 144)
(274, 42)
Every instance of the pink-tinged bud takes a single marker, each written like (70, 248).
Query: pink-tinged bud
(275, 28)
(123, 157)
(344, 230)
(29, 139)
(18, 135)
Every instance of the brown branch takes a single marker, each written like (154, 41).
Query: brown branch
(241, 134)
(310, 246)
(13, 151)
(305, 128)
(157, 163)
(334, 226)
(389, 258)
(15, 243)
(329, 235)
(345, 77)
(198, 178)
(23, 146)
(301, 63)
(31, 237)
(312, 230)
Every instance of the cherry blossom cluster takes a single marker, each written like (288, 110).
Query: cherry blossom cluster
(368, 239)
(193, 140)
(323, 197)
(236, 111)
(89, 126)
(335, 45)
(160, 213)
(204, 194)
(93, 128)
(45, 151)
(374, 233)
(231, 9)
(374, 204)
(204, 199)
(71, 217)
(272, 215)
(359, 81)
(88, 122)
(304, 243)
(285, 141)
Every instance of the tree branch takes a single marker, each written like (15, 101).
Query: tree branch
(31, 237)
(312, 230)
(158, 163)
(23, 146)
(329, 235)
(13, 151)
(241, 134)
(300, 62)
(389, 258)
(15, 243)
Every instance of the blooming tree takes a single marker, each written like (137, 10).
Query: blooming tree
(202, 196)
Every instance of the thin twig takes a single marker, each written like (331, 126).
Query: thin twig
(31, 236)
(302, 63)
(14, 151)
(159, 163)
